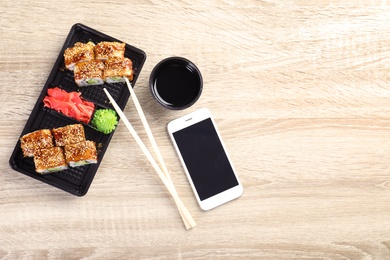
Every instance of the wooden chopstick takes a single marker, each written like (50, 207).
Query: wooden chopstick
(186, 216)
(148, 131)
(151, 138)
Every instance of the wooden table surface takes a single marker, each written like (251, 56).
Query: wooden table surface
(299, 90)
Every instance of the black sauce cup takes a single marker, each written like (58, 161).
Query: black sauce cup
(176, 83)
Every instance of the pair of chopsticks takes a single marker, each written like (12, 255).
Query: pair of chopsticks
(163, 171)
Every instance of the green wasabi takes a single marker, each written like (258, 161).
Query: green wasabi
(104, 120)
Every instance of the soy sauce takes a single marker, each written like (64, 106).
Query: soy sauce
(176, 85)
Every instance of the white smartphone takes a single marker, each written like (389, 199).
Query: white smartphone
(204, 159)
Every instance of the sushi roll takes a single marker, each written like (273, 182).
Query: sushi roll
(89, 73)
(80, 52)
(81, 153)
(50, 160)
(108, 50)
(69, 134)
(32, 142)
(117, 69)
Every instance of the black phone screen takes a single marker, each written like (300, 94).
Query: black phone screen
(205, 159)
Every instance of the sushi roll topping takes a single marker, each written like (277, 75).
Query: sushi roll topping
(90, 69)
(107, 50)
(118, 68)
(50, 160)
(78, 53)
(34, 141)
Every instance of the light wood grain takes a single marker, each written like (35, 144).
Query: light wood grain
(299, 90)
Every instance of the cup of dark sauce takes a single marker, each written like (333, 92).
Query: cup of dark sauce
(176, 83)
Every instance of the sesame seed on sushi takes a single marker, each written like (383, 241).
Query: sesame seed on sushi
(80, 52)
(34, 141)
(50, 160)
(81, 153)
(108, 50)
(68, 134)
(89, 73)
(117, 69)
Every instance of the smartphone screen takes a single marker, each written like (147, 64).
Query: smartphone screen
(205, 158)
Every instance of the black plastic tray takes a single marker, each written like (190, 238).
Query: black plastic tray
(75, 180)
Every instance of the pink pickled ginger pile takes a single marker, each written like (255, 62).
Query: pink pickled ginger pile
(69, 104)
